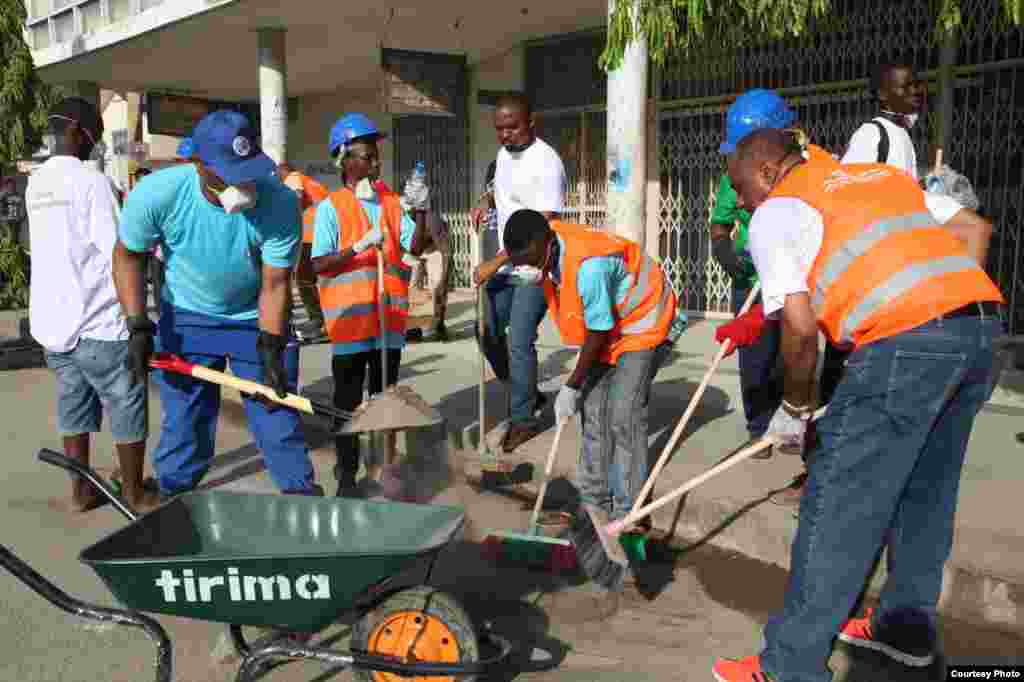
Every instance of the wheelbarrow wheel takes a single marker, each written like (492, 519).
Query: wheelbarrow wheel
(420, 624)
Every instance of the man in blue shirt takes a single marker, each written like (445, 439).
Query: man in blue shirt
(229, 232)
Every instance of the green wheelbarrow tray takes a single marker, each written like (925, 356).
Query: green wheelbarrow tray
(278, 561)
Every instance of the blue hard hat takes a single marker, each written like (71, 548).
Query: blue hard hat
(754, 110)
(350, 127)
(186, 148)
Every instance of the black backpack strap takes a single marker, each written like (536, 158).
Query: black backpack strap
(883, 141)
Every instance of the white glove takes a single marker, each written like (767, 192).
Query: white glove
(787, 430)
(372, 238)
(567, 403)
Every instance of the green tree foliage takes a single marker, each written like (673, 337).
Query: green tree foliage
(676, 27)
(24, 99)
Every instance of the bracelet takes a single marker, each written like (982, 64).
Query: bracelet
(802, 412)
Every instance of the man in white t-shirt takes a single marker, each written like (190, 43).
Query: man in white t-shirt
(528, 174)
(74, 312)
(886, 137)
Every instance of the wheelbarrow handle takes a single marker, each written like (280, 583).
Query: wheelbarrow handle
(386, 664)
(88, 473)
(53, 594)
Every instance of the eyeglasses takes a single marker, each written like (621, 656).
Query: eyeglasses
(77, 123)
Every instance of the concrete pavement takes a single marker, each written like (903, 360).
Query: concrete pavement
(710, 600)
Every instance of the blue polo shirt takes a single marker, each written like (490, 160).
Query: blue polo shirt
(326, 240)
(213, 260)
(603, 283)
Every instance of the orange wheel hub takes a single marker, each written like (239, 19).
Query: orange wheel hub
(414, 637)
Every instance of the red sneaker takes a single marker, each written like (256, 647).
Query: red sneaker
(860, 632)
(745, 670)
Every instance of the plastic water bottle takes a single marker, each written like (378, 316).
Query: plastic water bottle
(415, 188)
(934, 184)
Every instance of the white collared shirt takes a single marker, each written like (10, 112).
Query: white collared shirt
(72, 217)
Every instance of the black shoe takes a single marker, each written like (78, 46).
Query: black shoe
(413, 335)
(541, 403)
(1020, 437)
(440, 333)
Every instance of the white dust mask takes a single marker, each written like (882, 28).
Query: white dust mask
(365, 190)
(235, 199)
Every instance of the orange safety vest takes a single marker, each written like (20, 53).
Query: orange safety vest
(885, 265)
(644, 318)
(308, 224)
(348, 295)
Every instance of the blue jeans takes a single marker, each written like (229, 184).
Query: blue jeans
(613, 458)
(91, 377)
(188, 432)
(513, 357)
(885, 470)
(760, 382)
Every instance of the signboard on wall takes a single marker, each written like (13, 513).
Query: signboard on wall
(177, 115)
(424, 83)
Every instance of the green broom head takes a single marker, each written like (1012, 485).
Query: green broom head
(635, 545)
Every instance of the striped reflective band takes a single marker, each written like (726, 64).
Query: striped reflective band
(650, 320)
(899, 284)
(365, 274)
(859, 245)
(362, 309)
(638, 291)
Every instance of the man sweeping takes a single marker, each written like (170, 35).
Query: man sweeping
(229, 232)
(613, 301)
(861, 253)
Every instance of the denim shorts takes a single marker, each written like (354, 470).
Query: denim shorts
(93, 377)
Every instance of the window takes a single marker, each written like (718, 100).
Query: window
(64, 26)
(41, 36)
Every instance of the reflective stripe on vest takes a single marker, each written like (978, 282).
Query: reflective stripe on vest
(650, 321)
(861, 244)
(899, 284)
(366, 309)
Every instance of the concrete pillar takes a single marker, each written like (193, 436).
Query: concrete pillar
(273, 93)
(627, 147)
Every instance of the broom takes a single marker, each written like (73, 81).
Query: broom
(604, 561)
(533, 548)
(636, 544)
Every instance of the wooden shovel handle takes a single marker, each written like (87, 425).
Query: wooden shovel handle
(173, 363)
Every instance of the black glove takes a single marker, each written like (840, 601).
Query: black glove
(271, 351)
(725, 254)
(140, 346)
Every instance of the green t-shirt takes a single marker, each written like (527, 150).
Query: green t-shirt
(727, 214)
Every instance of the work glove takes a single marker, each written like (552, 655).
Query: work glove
(788, 427)
(270, 348)
(372, 238)
(567, 403)
(744, 330)
(140, 346)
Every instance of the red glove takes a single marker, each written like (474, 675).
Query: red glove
(744, 330)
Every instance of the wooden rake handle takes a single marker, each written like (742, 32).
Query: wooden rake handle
(740, 456)
(692, 407)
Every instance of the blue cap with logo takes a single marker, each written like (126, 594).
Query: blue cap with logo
(226, 144)
(348, 128)
(754, 110)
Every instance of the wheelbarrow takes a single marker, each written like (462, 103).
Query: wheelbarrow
(290, 563)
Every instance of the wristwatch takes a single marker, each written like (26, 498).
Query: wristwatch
(803, 413)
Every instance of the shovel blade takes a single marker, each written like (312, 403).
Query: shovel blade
(397, 408)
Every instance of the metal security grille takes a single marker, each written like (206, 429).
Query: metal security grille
(442, 143)
(579, 138)
(823, 77)
(987, 120)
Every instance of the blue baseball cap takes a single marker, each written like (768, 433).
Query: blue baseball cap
(226, 143)
(186, 148)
